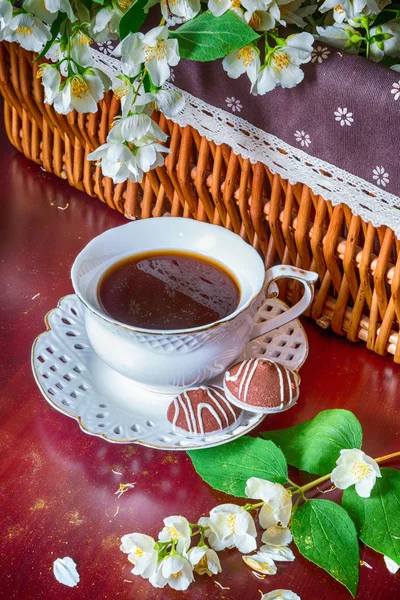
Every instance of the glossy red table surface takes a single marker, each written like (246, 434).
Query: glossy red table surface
(57, 483)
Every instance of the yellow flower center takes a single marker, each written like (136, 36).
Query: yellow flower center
(339, 8)
(79, 88)
(285, 9)
(236, 4)
(281, 61)
(254, 21)
(121, 91)
(24, 31)
(246, 55)
(360, 470)
(169, 3)
(203, 562)
(158, 51)
(137, 553)
(84, 39)
(231, 522)
(202, 566)
(125, 4)
(173, 533)
(178, 574)
(40, 73)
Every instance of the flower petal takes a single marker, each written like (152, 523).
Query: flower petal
(280, 595)
(65, 572)
(391, 565)
(277, 536)
(158, 70)
(245, 543)
(364, 487)
(278, 552)
(267, 517)
(196, 553)
(261, 563)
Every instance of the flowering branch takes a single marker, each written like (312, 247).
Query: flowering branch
(369, 508)
(317, 482)
(327, 446)
(243, 33)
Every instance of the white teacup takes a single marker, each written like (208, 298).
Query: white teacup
(169, 361)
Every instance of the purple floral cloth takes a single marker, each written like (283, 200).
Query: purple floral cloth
(346, 111)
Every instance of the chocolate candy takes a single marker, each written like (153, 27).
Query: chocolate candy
(203, 410)
(261, 385)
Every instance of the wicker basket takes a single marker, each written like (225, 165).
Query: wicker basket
(358, 293)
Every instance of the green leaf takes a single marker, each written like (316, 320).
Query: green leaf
(324, 533)
(377, 518)
(83, 11)
(133, 19)
(384, 17)
(207, 38)
(314, 446)
(227, 468)
(54, 31)
(388, 61)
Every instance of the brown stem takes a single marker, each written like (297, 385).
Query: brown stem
(387, 457)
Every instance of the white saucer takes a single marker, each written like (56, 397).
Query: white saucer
(75, 381)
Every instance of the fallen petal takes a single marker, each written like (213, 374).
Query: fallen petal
(65, 572)
(392, 566)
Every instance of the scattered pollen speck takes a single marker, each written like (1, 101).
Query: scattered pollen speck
(169, 458)
(116, 472)
(38, 504)
(111, 541)
(74, 518)
(14, 531)
(117, 511)
(35, 296)
(129, 451)
(36, 459)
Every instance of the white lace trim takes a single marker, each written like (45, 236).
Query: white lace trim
(365, 199)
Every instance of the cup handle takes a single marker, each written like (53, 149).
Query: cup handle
(307, 278)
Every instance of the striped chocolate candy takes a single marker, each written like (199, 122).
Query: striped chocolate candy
(261, 384)
(202, 410)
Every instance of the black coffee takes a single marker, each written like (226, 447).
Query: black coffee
(168, 290)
